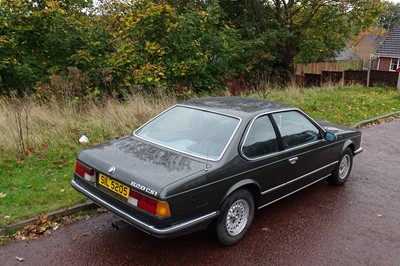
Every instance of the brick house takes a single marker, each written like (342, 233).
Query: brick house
(362, 49)
(368, 45)
(389, 51)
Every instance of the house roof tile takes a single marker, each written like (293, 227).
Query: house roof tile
(391, 45)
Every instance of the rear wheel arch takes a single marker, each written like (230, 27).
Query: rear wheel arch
(250, 185)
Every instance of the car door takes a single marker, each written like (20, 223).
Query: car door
(266, 162)
(307, 152)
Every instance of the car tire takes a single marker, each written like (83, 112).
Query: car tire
(342, 171)
(236, 217)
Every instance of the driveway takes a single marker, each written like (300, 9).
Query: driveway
(357, 224)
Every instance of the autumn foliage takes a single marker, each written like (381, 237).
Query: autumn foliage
(74, 50)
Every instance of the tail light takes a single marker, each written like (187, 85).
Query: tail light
(159, 208)
(84, 171)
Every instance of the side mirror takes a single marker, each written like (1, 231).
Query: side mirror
(331, 137)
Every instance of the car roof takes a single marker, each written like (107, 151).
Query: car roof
(242, 107)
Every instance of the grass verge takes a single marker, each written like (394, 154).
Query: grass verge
(341, 105)
(39, 142)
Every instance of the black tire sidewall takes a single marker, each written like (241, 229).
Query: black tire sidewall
(220, 228)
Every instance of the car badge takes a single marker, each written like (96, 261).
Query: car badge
(111, 170)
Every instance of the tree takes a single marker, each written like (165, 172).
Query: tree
(391, 15)
(158, 47)
(313, 30)
(253, 19)
(291, 31)
(41, 38)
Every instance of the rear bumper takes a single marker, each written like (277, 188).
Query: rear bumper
(170, 231)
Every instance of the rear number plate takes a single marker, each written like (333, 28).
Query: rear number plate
(113, 185)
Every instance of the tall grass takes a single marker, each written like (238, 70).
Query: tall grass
(26, 125)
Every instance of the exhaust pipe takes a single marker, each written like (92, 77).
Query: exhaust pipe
(117, 225)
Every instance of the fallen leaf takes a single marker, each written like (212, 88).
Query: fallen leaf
(265, 229)
(101, 210)
(2, 195)
(19, 258)
(6, 217)
(29, 150)
(44, 145)
(75, 130)
(44, 188)
(55, 226)
(44, 218)
(6, 161)
(81, 235)
(28, 186)
(42, 229)
(379, 215)
(62, 190)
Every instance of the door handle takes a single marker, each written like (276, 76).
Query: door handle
(293, 160)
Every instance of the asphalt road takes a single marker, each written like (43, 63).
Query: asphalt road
(357, 224)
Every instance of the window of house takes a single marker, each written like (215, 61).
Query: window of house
(395, 64)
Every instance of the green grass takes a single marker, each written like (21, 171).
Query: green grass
(343, 105)
(38, 181)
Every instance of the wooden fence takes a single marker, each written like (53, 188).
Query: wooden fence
(318, 68)
(377, 78)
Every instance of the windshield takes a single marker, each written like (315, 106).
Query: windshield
(193, 131)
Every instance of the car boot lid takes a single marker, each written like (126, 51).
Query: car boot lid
(140, 164)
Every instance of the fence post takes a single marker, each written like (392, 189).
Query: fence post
(398, 82)
(343, 77)
(371, 56)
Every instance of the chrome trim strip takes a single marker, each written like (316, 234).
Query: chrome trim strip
(358, 151)
(298, 178)
(188, 153)
(293, 192)
(164, 232)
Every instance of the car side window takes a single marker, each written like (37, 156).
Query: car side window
(260, 139)
(295, 129)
